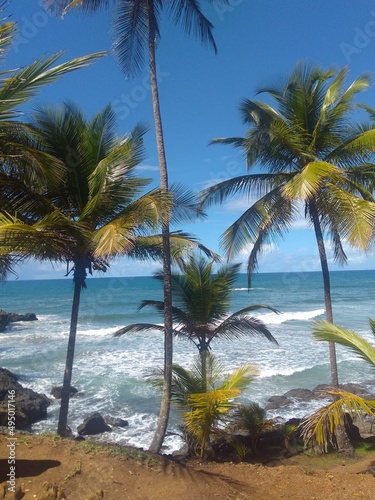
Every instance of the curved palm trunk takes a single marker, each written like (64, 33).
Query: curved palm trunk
(327, 290)
(162, 424)
(79, 280)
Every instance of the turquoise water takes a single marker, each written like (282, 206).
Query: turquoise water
(111, 373)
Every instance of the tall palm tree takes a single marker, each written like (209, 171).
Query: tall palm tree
(201, 308)
(320, 428)
(315, 155)
(96, 208)
(137, 31)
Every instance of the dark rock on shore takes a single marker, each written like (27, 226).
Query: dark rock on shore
(6, 318)
(115, 421)
(94, 424)
(29, 406)
(56, 391)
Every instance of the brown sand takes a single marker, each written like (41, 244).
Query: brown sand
(82, 470)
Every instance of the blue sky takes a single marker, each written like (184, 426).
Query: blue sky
(200, 92)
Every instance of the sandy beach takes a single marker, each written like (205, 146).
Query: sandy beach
(48, 468)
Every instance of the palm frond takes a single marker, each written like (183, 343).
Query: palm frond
(312, 178)
(132, 23)
(239, 325)
(21, 85)
(189, 15)
(138, 327)
(320, 427)
(325, 331)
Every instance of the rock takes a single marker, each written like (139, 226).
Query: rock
(94, 424)
(115, 421)
(30, 406)
(182, 453)
(275, 402)
(304, 394)
(6, 318)
(56, 392)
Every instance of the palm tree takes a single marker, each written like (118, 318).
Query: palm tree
(314, 155)
(201, 307)
(320, 427)
(137, 31)
(96, 208)
(206, 395)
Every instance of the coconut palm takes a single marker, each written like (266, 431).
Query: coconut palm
(315, 156)
(96, 208)
(137, 32)
(320, 427)
(201, 307)
(206, 394)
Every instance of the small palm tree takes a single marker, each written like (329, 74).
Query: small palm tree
(201, 307)
(252, 418)
(315, 155)
(205, 394)
(320, 427)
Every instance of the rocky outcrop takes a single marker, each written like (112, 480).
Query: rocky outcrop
(94, 424)
(295, 395)
(29, 406)
(8, 317)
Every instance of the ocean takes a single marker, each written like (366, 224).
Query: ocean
(112, 373)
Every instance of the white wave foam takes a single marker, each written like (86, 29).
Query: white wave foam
(246, 289)
(269, 372)
(101, 332)
(278, 319)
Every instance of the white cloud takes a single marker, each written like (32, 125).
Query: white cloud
(148, 168)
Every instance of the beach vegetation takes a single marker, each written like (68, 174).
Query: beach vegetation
(320, 428)
(137, 32)
(314, 160)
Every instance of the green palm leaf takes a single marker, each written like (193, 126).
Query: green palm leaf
(21, 85)
(324, 331)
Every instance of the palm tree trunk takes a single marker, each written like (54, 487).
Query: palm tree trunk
(327, 290)
(203, 355)
(162, 424)
(343, 443)
(79, 280)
